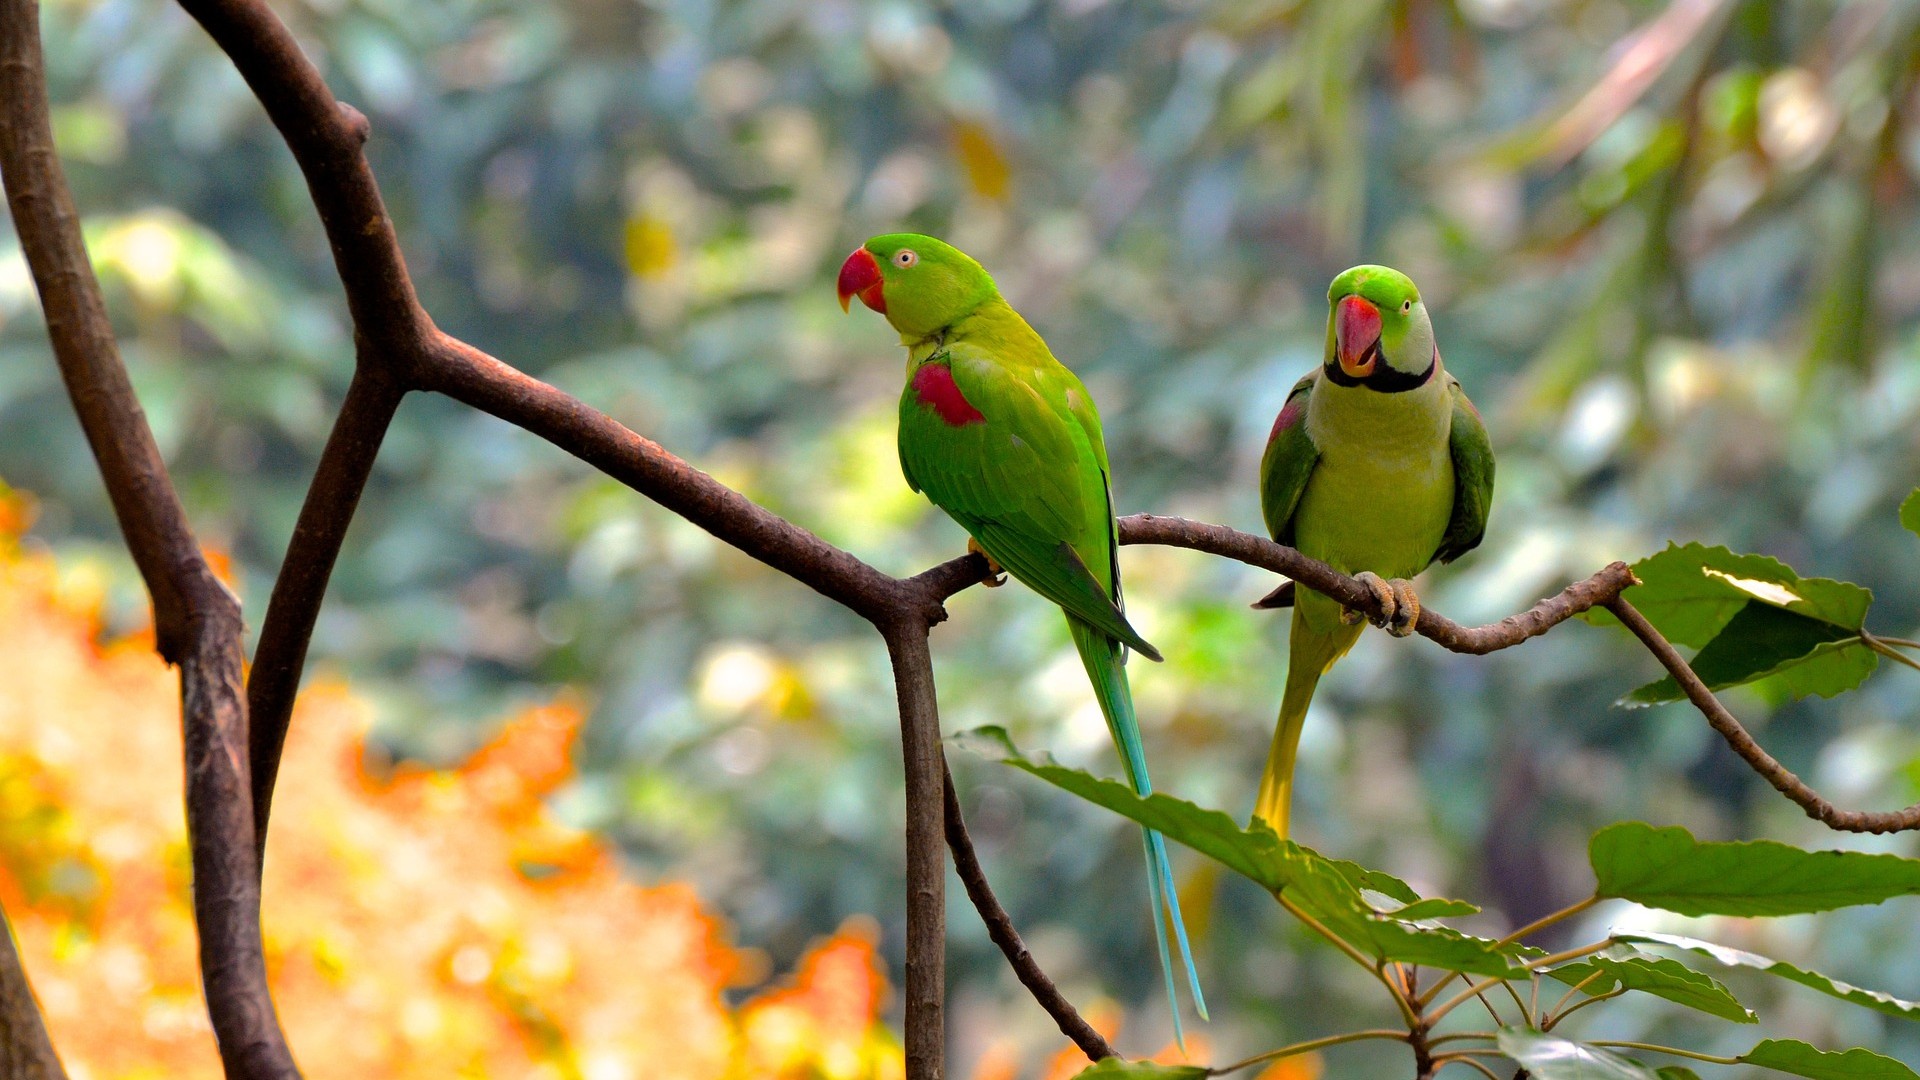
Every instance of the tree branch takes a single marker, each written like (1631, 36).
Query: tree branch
(196, 620)
(25, 1051)
(1000, 928)
(925, 762)
(281, 656)
(1592, 592)
(1730, 729)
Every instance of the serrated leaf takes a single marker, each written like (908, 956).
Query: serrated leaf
(1114, 1068)
(1328, 890)
(1870, 999)
(1656, 975)
(1800, 1059)
(1910, 511)
(1691, 592)
(1550, 1057)
(1810, 655)
(1667, 868)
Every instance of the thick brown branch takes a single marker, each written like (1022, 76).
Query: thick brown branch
(1000, 928)
(25, 1051)
(926, 979)
(1730, 729)
(281, 655)
(1592, 592)
(196, 620)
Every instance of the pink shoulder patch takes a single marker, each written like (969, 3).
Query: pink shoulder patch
(934, 385)
(1294, 411)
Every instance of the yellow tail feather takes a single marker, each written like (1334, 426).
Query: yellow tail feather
(1311, 651)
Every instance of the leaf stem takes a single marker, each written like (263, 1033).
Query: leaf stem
(1459, 1035)
(1674, 1050)
(1407, 1011)
(1535, 926)
(1308, 1047)
(1445, 1060)
(1564, 998)
(1578, 1005)
(1884, 646)
(1433, 1016)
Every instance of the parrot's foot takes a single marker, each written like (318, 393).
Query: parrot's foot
(1399, 604)
(996, 577)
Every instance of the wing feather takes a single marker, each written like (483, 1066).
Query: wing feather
(1288, 462)
(1472, 478)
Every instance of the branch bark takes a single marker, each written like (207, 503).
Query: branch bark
(25, 1051)
(926, 964)
(1000, 928)
(1743, 744)
(196, 620)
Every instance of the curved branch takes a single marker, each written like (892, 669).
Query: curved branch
(1592, 592)
(196, 620)
(281, 655)
(966, 864)
(1730, 729)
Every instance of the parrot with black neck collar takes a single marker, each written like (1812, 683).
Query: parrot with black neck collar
(1378, 465)
(1007, 441)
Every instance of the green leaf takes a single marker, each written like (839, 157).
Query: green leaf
(1690, 592)
(1114, 1068)
(1811, 656)
(1910, 511)
(1327, 890)
(1656, 975)
(1800, 1059)
(1550, 1057)
(1751, 617)
(1436, 908)
(1871, 999)
(1668, 869)
(1677, 1072)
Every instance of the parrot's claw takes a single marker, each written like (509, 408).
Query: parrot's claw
(1406, 609)
(996, 577)
(1399, 604)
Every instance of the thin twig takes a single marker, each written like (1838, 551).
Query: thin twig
(1743, 744)
(966, 864)
(1547, 1023)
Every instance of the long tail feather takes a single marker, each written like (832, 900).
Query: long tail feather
(1105, 668)
(1310, 653)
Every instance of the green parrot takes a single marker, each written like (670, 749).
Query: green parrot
(1378, 465)
(1006, 440)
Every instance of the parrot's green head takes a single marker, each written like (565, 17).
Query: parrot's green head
(920, 284)
(1378, 333)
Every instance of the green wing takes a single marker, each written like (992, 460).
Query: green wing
(1289, 461)
(1472, 478)
(1029, 482)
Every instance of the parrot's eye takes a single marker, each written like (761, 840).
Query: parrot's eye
(904, 258)
(1406, 306)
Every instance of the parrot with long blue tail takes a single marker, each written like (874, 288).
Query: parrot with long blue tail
(1379, 466)
(1004, 438)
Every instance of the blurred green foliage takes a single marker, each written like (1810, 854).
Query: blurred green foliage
(1675, 271)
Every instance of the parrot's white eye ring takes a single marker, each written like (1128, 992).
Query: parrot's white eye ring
(905, 257)
(1407, 306)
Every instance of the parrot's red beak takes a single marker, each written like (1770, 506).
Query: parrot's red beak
(860, 276)
(1356, 336)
